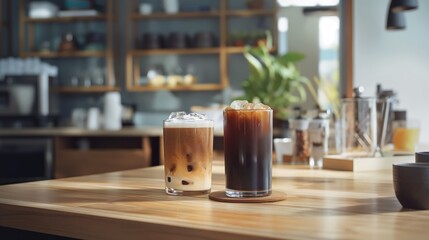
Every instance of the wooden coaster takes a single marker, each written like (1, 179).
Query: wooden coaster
(221, 197)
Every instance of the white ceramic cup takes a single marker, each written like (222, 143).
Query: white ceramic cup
(93, 119)
(282, 146)
(78, 117)
(112, 111)
(145, 8)
(171, 6)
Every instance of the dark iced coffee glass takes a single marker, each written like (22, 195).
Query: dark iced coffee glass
(248, 151)
(188, 154)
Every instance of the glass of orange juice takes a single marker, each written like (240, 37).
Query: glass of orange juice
(406, 137)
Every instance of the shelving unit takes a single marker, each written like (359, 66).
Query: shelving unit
(222, 15)
(27, 44)
(5, 28)
(73, 54)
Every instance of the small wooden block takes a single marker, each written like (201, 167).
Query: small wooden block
(356, 164)
(221, 197)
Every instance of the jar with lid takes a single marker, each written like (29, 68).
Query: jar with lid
(300, 143)
(399, 120)
(318, 130)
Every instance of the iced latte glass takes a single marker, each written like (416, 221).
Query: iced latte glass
(188, 154)
(248, 137)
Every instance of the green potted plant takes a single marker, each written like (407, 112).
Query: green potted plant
(274, 80)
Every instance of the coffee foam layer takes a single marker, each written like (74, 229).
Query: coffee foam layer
(188, 124)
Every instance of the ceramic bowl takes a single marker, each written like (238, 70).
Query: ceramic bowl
(422, 157)
(411, 184)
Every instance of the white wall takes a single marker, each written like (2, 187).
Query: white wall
(303, 37)
(399, 60)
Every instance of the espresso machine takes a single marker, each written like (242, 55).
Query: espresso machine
(25, 101)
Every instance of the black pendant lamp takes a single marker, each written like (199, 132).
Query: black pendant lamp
(395, 21)
(403, 5)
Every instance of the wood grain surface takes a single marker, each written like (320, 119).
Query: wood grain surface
(321, 204)
(356, 164)
(104, 154)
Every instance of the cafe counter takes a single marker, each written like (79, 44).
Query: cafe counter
(81, 132)
(320, 204)
(78, 151)
(146, 131)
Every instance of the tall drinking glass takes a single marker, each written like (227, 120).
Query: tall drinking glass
(406, 137)
(248, 137)
(188, 154)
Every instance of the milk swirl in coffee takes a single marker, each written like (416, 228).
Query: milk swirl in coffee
(188, 153)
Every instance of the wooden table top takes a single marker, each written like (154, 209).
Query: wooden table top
(321, 204)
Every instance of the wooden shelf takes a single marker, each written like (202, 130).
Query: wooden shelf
(92, 89)
(71, 54)
(194, 87)
(234, 49)
(100, 17)
(137, 16)
(250, 13)
(184, 51)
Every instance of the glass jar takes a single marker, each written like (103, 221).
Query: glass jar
(300, 141)
(318, 138)
(359, 126)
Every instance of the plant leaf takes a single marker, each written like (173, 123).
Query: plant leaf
(256, 67)
(290, 57)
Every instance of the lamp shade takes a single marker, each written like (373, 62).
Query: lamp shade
(403, 5)
(395, 21)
